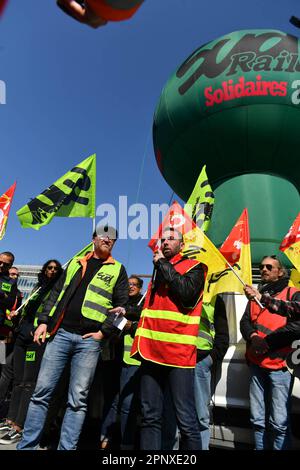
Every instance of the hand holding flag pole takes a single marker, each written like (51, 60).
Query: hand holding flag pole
(244, 284)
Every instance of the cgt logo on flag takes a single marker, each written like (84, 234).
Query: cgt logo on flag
(175, 218)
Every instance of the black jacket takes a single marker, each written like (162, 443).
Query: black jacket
(282, 336)
(183, 289)
(119, 299)
(8, 295)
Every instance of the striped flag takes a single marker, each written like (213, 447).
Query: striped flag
(236, 251)
(290, 245)
(177, 218)
(5, 204)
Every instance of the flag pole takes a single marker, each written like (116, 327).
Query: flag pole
(94, 224)
(244, 284)
(141, 300)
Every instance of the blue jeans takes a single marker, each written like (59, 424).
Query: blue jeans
(270, 394)
(84, 354)
(202, 397)
(154, 379)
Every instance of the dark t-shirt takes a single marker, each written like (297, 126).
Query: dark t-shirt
(73, 316)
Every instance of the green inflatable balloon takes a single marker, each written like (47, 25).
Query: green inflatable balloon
(234, 105)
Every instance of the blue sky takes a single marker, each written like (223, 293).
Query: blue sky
(73, 91)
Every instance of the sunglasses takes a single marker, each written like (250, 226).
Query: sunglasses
(6, 265)
(268, 266)
(50, 268)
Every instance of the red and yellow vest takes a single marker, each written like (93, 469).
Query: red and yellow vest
(265, 323)
(167, 333)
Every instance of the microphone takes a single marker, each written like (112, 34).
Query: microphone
(154, 274)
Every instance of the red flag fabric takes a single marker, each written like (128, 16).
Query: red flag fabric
(177, 218)
(239, 236)
(293, 235)
(2, 6)
(5, 203)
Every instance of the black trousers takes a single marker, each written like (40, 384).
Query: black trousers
(7, 374)
(26, 365)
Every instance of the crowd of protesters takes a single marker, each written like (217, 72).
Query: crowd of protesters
(154, 353)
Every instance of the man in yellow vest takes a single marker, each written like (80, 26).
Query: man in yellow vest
(270, 381)
(166, 342)
(80, 312)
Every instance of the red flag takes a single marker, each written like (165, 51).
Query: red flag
(2, 6)
(5, 203)
(239, 236)
(293, 235)
(177, 218)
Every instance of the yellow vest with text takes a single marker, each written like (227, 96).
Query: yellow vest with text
(98, 297)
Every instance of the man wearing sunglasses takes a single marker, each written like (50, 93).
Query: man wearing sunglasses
(270, 380)
(8, 286)
(80, 312)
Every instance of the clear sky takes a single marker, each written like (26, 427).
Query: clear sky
(73, 91)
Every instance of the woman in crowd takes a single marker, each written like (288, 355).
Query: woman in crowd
(27, 355)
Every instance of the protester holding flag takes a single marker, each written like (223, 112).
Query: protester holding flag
(27, 355)
(270, 381)
(288, 308)
(165, 339)
(81, 310)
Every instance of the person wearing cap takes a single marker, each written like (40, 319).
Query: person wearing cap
(80, 312)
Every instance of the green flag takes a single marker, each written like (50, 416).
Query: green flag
(200, 203)
(72, 195)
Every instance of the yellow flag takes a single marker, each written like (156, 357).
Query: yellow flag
(236, 250)
(201, 202)
(198, 246)
(294, 279)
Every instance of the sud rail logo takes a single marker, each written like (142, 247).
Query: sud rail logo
(2, 92)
